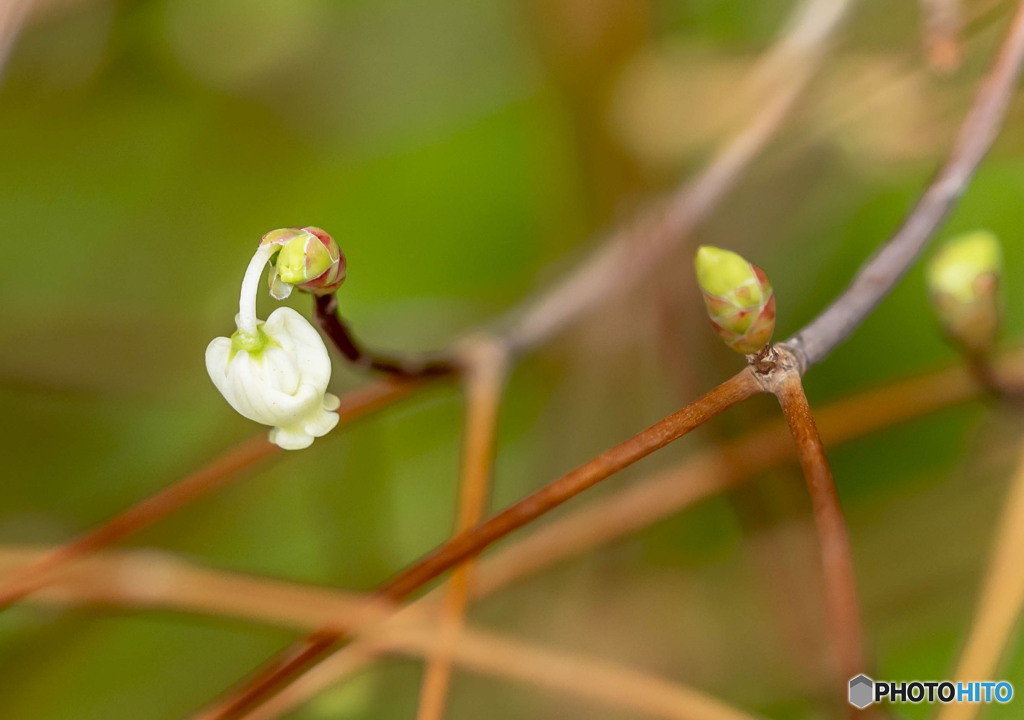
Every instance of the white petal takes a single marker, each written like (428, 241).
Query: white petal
(294, 333)
(321, 423)
(281, 370)
(217, 353)
(291, 438)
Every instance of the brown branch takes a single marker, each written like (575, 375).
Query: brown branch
(331, 324)
(607, 683)
(1000, 604)
(296, 659)
(842, 604)
(149, 580)
(213, 476)
(485, 378)
(879, 275)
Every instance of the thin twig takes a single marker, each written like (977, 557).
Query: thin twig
(298, 658)
(879, 275)
(631, 253)
(149, 580)
(842, 604)
(330, 322)
(213, 476)
(607, 683)
(485, 378)
(1000, 605)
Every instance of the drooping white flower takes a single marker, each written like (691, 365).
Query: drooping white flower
(274, 372)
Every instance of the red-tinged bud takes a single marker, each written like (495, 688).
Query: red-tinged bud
(738, 297)
(308, 259)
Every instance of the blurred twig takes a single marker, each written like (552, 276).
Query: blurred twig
(630, 254)
(143, 579)
(1000, 604)
(942, 33)
(484, 379)
(213, 476)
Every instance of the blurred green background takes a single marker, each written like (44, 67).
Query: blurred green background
(465, 154)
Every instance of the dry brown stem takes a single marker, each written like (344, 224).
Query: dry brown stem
(484, 380)
(842, 603)
(1000, 604)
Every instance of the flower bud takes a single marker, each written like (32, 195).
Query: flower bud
(963, 286)
(277, 376)
(738, 297)
(308, 259)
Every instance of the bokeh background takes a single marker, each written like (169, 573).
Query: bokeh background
(466, 154)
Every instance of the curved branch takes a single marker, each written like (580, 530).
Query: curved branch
(876, 279)
(331, 324)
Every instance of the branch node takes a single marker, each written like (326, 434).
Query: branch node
(774, 364)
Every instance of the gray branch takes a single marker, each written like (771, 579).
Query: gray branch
(883, 270)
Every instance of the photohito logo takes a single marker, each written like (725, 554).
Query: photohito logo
(864, 691)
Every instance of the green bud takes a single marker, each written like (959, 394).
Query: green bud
(303, 258)
(963, 285)
(308, 258)
(738, 297)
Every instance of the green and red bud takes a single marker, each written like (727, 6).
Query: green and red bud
(963, 285)
(738, 297)
(308, 259)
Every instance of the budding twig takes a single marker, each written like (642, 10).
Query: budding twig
(485, 377)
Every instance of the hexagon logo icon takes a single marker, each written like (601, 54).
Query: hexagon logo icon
(862, 691)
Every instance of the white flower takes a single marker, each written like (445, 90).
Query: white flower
(275, 373)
